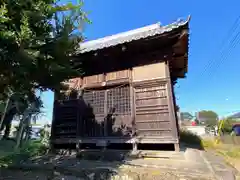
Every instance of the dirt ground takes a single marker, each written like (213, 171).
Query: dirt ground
(31, 175)
(72, 168)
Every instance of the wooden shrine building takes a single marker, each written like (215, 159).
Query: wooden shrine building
(127, 94)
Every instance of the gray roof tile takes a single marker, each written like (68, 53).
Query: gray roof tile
(124, 37)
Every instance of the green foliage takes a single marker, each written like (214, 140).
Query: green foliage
(29, 150)
(228, 124)
(17, 105)
(208, 143)
(233, 152)
(33, 148)
(37, 42)
(2, 106)
(210, 117)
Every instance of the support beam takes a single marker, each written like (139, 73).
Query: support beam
(135, 148)
(176, 147)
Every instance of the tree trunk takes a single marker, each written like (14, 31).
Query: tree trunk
(22, 125)
(7, 130)
(28, 128)
(20, 134)
(4, 113)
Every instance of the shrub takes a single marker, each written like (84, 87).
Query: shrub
(28, 150)
(208, 143)
(189, 138)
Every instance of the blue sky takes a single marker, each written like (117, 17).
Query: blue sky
(212, 81)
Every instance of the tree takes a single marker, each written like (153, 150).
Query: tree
(210, 118)
(227, 125)
(24, 125)
(37, 41)
(16, 107)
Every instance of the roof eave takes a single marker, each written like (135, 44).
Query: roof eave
(129, 36)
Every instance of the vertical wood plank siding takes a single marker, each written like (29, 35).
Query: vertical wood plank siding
(143, 107)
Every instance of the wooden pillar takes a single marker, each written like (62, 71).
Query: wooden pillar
(174, 108)
(177, 147)
(105, 113)
(172, 115)
(134, 146)
(78, 146)
(133, 112)
(132, 104)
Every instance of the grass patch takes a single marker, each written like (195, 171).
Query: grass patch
(234, 153)
(208, 144)
(231, 153)
(28, 150)
(222, 149)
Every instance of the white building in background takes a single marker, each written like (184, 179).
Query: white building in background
(35, 128)
(201, 130)
(198, 130)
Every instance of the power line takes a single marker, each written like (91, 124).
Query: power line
(224, 50)
(232, 46)
(231, 31)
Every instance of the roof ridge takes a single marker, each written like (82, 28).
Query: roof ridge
(128, 36)
(129, 32)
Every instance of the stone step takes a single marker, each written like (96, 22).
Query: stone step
(193, 155)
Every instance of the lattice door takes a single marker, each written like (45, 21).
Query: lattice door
(108, 112)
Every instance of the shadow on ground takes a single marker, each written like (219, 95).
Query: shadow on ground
(99, 165)
(190, 140)
(105, 165)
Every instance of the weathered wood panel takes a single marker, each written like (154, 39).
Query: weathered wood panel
(92, 121)
(120, 123)
(155, 133)
(74, 83)
(107, 113)
(150, 117)
(154, 124)
(124, 74)
(90, 80)
(152, 110)
(149, 72)
(66, 115)
(172, 110)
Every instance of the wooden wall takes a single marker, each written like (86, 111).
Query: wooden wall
(146, 99)
(149, 72)
(137, 74)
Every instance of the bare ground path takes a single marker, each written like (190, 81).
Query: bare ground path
(191, 165)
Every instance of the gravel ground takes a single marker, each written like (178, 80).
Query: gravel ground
(21, 175)
(72, 168)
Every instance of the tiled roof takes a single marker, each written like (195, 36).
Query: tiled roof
(124, 37)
